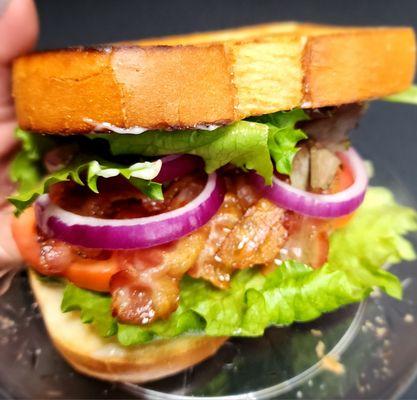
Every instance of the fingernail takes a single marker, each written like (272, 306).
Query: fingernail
(3, 6)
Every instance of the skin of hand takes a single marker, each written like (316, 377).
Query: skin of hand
(18, 33)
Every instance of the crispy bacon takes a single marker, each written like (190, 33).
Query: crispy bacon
(117, 198)
(147, 287)
(182, 191)
(308, 240)
(246, 193)
(247, 230)
(257, 238)
(6, 185)
(330, 126)
(56, 256)
(209, 265)
(59, 157)
(131, 302)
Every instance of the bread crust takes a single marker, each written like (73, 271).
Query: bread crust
(181, 82)
(104, 358)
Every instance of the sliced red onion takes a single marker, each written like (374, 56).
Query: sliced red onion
(135, 233)
(175, 166)
(321, 205)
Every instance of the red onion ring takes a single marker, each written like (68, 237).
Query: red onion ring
(135, 233)
(175, 166)
(321, 205)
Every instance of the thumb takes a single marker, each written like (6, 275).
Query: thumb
(18, 33)
(18, 28)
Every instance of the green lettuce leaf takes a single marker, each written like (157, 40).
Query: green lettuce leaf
(139, 174)
(293, 292)
(409, 96)
(283, 137)
(95, 308)
(93, 170)
(26, 168)
(25, 171)
(244, 144)
(28, 172)
(35, 146)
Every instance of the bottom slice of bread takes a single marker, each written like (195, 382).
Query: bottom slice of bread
(105, 359)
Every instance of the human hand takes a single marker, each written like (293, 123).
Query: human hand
(18, 33)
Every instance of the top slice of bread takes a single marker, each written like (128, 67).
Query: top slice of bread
(179, 82)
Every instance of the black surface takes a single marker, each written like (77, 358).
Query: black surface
(390, 128)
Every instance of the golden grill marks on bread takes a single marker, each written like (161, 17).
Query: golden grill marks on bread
(180, 82)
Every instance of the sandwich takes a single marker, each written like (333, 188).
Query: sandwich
(179, 191)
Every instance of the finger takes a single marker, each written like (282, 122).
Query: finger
(18, 33)
(6, 185)
(8, 142)
(18, 29)
(9, 254)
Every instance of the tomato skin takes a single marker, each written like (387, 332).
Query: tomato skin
(26, 238)
(85, 273)
(92, 274)
(342, 181)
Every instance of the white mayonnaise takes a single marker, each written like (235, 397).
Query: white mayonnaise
(136, 130)
(106, 126)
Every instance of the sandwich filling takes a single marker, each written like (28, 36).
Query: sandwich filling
(263, 222)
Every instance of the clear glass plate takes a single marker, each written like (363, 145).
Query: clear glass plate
(375, 342)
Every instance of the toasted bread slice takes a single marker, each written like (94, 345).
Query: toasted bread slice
(219, 77)
(105, 359)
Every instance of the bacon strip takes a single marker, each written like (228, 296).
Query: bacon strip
(257, 239)
(208, 265)
(308, 240)
(147, 287)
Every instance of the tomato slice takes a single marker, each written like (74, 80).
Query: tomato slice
(85, 273)
(342, 181)
(92, 274)
(26, 238)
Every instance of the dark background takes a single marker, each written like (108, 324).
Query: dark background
(388, 130)
(69, 22)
